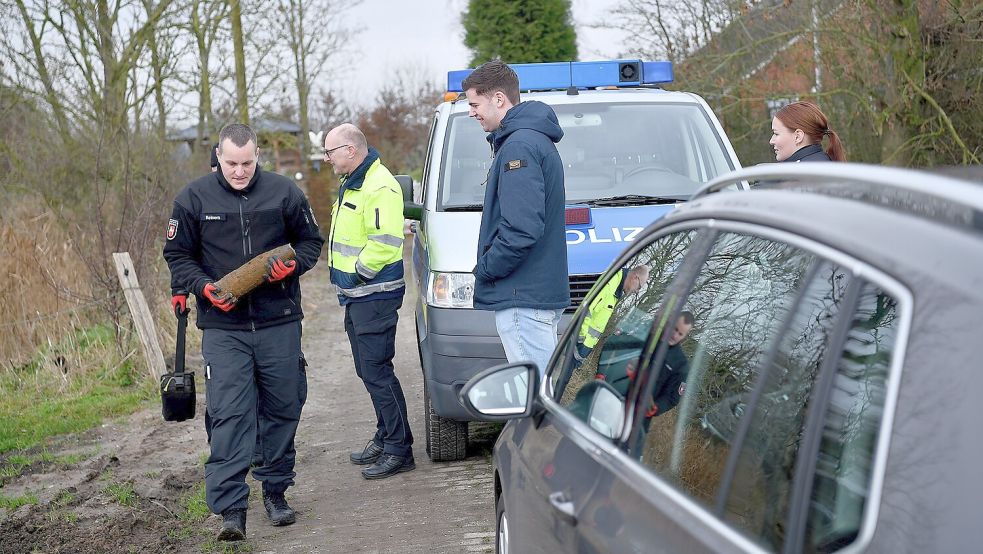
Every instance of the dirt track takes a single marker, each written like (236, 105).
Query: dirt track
(443, 507)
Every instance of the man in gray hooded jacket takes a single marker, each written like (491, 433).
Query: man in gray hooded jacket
(521, 273)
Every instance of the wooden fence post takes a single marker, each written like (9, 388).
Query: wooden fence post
(137, 304)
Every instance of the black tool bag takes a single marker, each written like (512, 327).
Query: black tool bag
(177, 390)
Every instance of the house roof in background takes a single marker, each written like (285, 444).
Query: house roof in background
(751, 41)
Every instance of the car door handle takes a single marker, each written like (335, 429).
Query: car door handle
(563, 507)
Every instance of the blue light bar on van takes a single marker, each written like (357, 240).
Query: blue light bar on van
(563, 75)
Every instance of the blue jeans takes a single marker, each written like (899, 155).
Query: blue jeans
(528, 334)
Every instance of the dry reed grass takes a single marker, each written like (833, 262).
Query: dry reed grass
(39, 302)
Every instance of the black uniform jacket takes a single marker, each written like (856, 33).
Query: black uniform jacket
(671, 381)
(810, 153)
(214, 229)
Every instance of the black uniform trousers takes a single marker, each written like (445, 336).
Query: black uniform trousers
(241, 367)
(371, 328)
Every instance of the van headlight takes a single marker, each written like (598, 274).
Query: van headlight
(451, 290)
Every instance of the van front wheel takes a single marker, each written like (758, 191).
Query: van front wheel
(447, 439)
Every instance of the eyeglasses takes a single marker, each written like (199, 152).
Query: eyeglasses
(328, 151)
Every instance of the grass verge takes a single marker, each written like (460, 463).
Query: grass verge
(14, 502)
(38, 403)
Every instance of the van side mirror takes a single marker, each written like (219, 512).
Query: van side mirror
(411, 210)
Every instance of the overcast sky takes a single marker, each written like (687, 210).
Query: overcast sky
(425, 37)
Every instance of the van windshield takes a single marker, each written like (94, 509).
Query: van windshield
(613, 154)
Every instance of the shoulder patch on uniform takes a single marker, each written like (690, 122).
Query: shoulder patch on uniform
(171, 229)
(515, 164)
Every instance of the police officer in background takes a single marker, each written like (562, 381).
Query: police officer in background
(365, 254)
(214, 160)
(251, 348)
(626, 281)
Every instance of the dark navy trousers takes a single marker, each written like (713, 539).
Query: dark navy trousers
(371, 328)
(240, 367)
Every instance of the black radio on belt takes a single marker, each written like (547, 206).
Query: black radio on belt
(177, 390)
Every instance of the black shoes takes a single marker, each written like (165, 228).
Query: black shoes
(389, 465)
(369, 455)
(233, 525)
(276, 507)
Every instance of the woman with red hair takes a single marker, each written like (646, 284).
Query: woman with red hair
(797, 133)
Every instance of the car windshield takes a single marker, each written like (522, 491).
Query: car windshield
(613, 154)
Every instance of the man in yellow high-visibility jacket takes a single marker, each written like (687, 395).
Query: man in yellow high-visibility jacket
(626, 281)
(365, 255)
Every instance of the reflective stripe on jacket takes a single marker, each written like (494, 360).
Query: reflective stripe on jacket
(600, 309)
(365, 245)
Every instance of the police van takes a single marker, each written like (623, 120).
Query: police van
(631, 151)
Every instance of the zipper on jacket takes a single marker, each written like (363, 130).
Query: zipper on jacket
(334, 224)
(242, 224)
(247, 248)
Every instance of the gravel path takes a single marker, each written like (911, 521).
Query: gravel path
(439, 507)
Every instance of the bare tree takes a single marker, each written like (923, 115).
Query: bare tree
(314, 33)
(205, 24)
(35, 27)
(665, 29)
(164, 48)
(104, 41)
(899, 79)
(398, 123)
(242, 98)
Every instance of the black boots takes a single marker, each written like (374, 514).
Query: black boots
(367, 456)
(389, 465)
(234, 519)
(233, 525)
(276, 507)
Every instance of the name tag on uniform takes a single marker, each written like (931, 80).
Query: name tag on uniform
(213, 217)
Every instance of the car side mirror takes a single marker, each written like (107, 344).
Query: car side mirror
(411, 210)
(502, 392)
(607, 411)
(601, 406)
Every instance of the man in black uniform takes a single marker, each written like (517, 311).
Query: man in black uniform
(670, 382)
(252, 348)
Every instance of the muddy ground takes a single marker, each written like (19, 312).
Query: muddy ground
(82, 482)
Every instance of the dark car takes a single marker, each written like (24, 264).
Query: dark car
(800, 372)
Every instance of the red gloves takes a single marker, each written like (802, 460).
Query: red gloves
(652, 411)
(219, 299)
(277, 269)
(179, 300)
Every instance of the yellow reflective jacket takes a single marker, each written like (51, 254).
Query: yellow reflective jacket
(365, 245)
(600, 309)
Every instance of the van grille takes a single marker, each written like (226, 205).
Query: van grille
(579, 287)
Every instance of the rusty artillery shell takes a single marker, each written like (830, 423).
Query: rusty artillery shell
(252, 274)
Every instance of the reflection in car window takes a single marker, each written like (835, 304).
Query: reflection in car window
(613, 327)
(759, 495)
(850, 429)
(742, 292)
(766, 314)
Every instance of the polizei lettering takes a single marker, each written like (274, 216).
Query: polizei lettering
(614, 234)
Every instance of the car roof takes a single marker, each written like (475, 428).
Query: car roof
(893, 219)
(593, 96)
